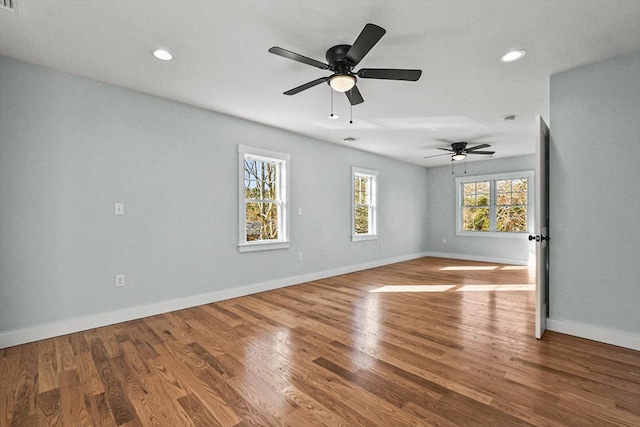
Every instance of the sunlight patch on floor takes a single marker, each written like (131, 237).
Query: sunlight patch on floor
(413, 288)
(469, 268)
(485, 288)
(491, 287)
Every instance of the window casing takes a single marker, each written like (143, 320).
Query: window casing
(263, 204)
(364, 204)
(495, 205)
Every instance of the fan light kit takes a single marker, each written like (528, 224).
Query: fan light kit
(163, 55)
(341, 61)
(342, 82)
(458, 156)
(512, 55)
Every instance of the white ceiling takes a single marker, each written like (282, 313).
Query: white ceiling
(221, 61)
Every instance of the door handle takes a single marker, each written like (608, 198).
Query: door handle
(538, 238)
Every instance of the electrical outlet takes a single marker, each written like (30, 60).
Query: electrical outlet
(119, 280)
(444, 241)
(299, 256)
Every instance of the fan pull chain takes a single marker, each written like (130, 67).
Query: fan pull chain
(331, 113)
(451, 166)
(350, 113)
(465, 164)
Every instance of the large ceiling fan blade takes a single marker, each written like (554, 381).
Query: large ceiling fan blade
(306, 86)
(448, 141)
(477, 147)
(481, 152)
(446, 149)
(437, 155)
(354, 96)
(368, 38)
(390, 74)
(297, 57)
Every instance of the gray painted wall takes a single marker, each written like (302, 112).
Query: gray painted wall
(441, 213)
(70, 148)
(595, 196)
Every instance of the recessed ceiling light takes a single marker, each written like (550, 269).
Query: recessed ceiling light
(163, 55)
(350, 139)
(510, 118)
(512, 55)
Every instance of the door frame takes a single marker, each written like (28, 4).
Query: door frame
(541, 227)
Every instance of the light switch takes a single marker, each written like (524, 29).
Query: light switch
(119, 208)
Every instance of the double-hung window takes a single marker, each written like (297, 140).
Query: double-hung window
(364, 204)
(263, 203)
(499, 204)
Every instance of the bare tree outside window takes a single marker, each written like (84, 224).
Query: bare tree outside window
(497, 204)
(364, 192)
(261, 199)
(476, 206)
(362, 204)
(511, 211)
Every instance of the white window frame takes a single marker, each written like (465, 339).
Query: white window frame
(372, 176)
(283, 160)
(492, 178)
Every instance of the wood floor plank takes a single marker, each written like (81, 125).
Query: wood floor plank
(151, 405)
(197, 412)
(313, 412)
(118, 401)
(26, 387)
(47, 366)
(99, 410)
(79, 343)
(9, 374)
(72, 401)
(198, 380)
(49, 408)
(65, 356)
(90, 382)
(429, 341)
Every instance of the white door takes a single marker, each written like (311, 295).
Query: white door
(541, 237)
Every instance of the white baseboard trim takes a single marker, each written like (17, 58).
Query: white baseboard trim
(36, 333)
(478, 258)
(595, 333)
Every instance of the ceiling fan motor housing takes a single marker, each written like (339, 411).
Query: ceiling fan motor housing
(337, 58)
(459, 147)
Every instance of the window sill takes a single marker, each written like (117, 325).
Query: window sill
(263, 246)
(363, 237)
(522, 235)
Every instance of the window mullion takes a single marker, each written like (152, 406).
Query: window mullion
(493, 200)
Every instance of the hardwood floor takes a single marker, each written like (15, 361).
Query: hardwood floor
(426, 342)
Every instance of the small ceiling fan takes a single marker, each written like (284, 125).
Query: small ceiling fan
(460, 150)
(342, 59)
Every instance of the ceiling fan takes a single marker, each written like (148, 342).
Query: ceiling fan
(460, 150)
(342, 59)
